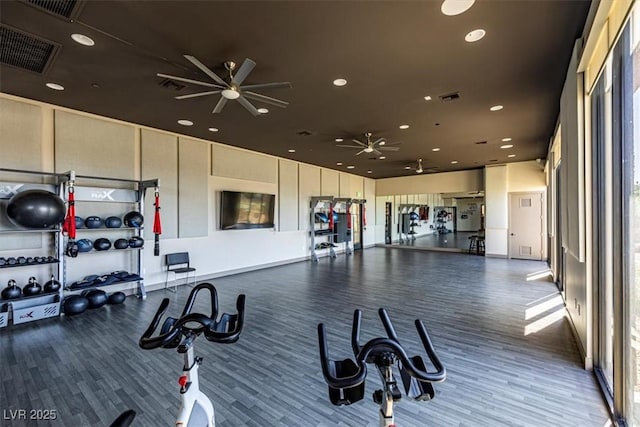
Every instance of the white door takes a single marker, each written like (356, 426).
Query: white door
(525, 225)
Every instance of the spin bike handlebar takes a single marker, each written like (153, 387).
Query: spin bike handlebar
(374, 347)
(226, 330)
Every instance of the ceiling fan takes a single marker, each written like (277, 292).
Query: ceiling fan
(231, 88)
(370, 146)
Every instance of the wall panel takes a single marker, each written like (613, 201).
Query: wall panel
(159, 159)
(288, 195)
(193, 188)
(329, 185)
(240, 164)
(20, 135)
(309, 186)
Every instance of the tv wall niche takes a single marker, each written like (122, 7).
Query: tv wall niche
(243, 210)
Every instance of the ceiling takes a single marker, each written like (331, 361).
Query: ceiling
(392, 53)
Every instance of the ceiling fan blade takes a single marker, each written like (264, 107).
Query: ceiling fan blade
(266, 99)
(360, 152)
(359, 143)
(249, 106)
(206, 70)
(195, 82)
(385, 148)
(221, 103)
(375, 150)
(243, 72)
(377, 141)
(274, 85)
(348, 146)
(195, 95)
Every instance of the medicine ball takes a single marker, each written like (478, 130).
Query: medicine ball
(12, 261)
(97, 298)
(116, 298)
(11, 291)
(52, 285)
(84, 245)
(133, 219)
(36, 209)
(121, 244)
(136, 242)
(93, 222)
(32, 288)
(113, 222)
(414, 216)
(4, 261)
(22, 260)
(102, 244)
(79, 222)
(75, 304)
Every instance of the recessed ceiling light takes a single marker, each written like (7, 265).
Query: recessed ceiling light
(350, 167)
(185, 122)
(511, 155)
(82, 39)
(369, 171)
(407, 167)
(455, 7)
(292, 150)
(263, 110)
(404, 126)
(435, 149)
(54, 86)
(339, 163)
(427, 98)
(230, 93)
(339, 82)
(506, 139)
(339, 139)
(213, 129)
(496, 108)
(453, 162)
(475, 35)
(382, 157)
(506, 146)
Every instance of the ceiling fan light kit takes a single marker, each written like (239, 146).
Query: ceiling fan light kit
(232, 88)
(368, 146)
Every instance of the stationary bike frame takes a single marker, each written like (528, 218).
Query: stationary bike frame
(196, 409)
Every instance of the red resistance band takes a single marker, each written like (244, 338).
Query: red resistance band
(348, 217)
(331, 216)
(364, 215)
(69, 225)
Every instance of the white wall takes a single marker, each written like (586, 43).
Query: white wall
(446, 182)
(497, 211)
(469, 215)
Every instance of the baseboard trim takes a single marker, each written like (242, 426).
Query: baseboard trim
(587, 360)
(496, 256)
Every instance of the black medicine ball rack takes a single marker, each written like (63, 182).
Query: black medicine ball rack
(132, 195)
(27, 308)
(407, 213)
(329, 225)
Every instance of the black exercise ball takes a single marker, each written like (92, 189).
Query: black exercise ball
(102, 244)
(121, 244)
(52, 285)
(32, 288)
(75, 304)
(116, 298)
(4, 261)
(136, 242)
(84, 245)
(11, 291)
(36, 209)
(79, 222)
(133, 219)
(113, 222)
(97, 298)
(93, 222)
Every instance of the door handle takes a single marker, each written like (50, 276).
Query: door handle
(512, 234)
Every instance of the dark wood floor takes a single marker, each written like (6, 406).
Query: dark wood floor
(479, 312)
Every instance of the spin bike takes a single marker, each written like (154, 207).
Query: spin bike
(196, 408)
(346, 378)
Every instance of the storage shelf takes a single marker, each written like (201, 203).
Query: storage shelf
(69, 290)
(30, 297)
(93, 251)
(30, 230)
(108, 228)
(29, 264)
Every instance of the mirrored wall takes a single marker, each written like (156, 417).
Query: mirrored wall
(451, 222)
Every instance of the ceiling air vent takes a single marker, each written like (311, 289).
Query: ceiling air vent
(24, 50)
(449, 97)
(305, 133)
(480, 142)
(63, 8)
(170, 84)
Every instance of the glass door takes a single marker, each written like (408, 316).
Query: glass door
(356, 225)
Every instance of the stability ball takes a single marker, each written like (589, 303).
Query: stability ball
(36, 209)
(75, 304)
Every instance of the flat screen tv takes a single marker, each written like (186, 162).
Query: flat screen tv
(241, 210)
